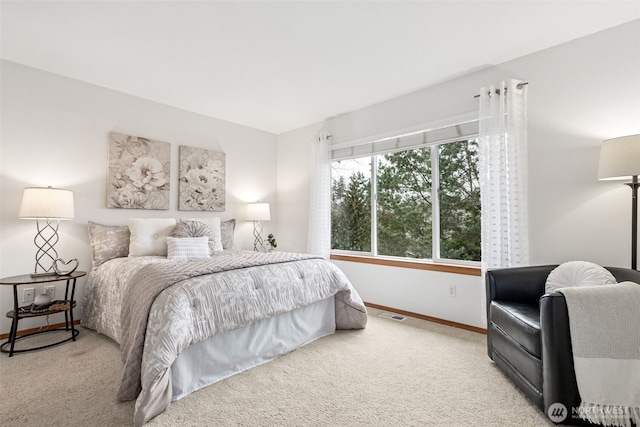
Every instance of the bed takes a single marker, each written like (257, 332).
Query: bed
(184, 323)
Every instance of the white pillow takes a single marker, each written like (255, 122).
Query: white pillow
(214, 226)
(187, 247)
(578, 273)
(149, 235)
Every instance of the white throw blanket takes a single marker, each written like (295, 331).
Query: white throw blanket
(604, 322)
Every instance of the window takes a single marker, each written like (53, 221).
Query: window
(410, 198)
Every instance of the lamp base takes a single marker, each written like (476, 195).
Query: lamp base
(45, 240)
(44, 274)
(258, 243)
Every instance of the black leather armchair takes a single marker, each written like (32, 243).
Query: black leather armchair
(528, 334)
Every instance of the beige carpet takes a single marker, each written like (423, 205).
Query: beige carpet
(411, 373)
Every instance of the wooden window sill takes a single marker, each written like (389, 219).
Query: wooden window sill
(419, 265)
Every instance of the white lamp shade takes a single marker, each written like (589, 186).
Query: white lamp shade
(258, 212)
(46, 203)
(620, 158)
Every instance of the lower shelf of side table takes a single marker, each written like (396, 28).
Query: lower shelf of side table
(58, 306)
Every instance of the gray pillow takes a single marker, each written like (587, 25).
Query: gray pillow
(187, 247)
(108, 242)
(193, 228)
(226, 230)
(213, 222)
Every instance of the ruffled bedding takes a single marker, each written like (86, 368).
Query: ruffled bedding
(202, 298)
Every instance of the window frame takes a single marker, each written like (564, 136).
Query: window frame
(412, 263)
(464, 266)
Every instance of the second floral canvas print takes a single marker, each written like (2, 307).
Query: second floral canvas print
(139, 170)
(202, 180)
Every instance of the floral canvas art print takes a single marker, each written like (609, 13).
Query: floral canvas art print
(139, 172)
(202, 180)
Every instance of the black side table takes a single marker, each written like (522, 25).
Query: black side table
(58, 306)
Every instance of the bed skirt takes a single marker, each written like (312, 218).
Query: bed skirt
(236, 351)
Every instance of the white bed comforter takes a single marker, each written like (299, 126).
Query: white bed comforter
(191, 310)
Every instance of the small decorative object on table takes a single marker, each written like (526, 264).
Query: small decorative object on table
(62, 267)
(271, 240)
(42, 300)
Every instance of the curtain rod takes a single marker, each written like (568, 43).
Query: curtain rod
(518, 86)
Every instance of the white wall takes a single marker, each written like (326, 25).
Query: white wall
(55, 132)
(293, 188)
(580, 93)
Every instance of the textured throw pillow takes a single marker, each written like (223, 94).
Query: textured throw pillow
(108, 242)
(226, 230)
(187, 247)
(190, 228)
(215, 238)
(578, 273)
(149, 236)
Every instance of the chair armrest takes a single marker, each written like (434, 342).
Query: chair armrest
(517, 284)
(558, 376)
(625, 274)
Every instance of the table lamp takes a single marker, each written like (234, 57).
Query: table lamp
(258, 212)
(48, 206)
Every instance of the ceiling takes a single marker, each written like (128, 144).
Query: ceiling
(278, 66)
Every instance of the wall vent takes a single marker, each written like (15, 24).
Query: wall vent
(392, 316)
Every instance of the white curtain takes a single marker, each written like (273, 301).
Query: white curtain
(319, 239)
(503, 175)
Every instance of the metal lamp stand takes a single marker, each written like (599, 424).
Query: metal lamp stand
(258, 243)
(634, 221)
(45, 240)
